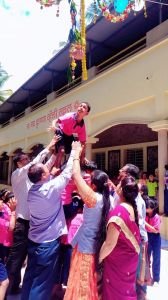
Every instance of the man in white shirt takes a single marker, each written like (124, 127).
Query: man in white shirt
(20, 186)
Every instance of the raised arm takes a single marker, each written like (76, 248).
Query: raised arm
(42, 155)
(87, 194)
(59, 182)
(50, 162)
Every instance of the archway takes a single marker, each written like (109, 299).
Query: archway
(126, 143)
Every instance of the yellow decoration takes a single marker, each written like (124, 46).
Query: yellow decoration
(73, 64)
(83, 40)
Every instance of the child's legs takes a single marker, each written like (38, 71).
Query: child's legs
(156, 257)
(59, 156)
(68, 139)
(59, 148)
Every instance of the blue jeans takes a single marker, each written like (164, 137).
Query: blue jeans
(154, 249)
(38, 279)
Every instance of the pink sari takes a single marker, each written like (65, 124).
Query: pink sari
(120, 266)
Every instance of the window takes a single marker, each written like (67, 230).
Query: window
(100, 160)
(152, 159)
(135, 157)
(113, 162)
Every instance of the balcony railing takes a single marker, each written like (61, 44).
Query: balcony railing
(123, 54)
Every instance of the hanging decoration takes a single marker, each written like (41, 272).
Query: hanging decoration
(114, 17)
(49, 3)
(77, 39)
(138, 5)
(83, 40)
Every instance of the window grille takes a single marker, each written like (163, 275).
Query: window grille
(100, 160)
(135, 157)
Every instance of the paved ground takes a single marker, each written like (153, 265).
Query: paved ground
(154, 293)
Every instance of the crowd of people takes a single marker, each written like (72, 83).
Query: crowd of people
(76, 231)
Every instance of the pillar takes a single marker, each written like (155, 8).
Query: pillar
(88, 149)
(162, 128)
(162, 161)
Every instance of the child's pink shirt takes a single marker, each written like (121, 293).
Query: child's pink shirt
(69, 125)
(155, 221)
(6, 236)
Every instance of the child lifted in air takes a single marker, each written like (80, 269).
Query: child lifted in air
(70, 127)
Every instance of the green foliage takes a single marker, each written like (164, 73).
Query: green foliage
(94, 10)
(4, 94)
(3, 76)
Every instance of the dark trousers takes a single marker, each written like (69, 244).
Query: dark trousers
(166, 201)
(61, 271)
(154, 249)
(65, 141)
(17, 254)
(38, 280)
(4, 253)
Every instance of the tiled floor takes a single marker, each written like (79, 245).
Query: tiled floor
(154, 293)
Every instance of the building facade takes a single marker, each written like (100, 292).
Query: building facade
(128, 121)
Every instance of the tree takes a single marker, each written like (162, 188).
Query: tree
(4, 94)
(92, 12)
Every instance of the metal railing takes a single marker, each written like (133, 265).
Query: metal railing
(38, 104)
(22, 114)
(70, 86)
(5, 124)
(123, 54)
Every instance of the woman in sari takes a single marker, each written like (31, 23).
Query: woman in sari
(82, 281)
(120, 250)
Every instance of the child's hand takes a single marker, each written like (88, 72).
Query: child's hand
(111, 185)
(12, 204)
(51, 128)
(77, 147)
